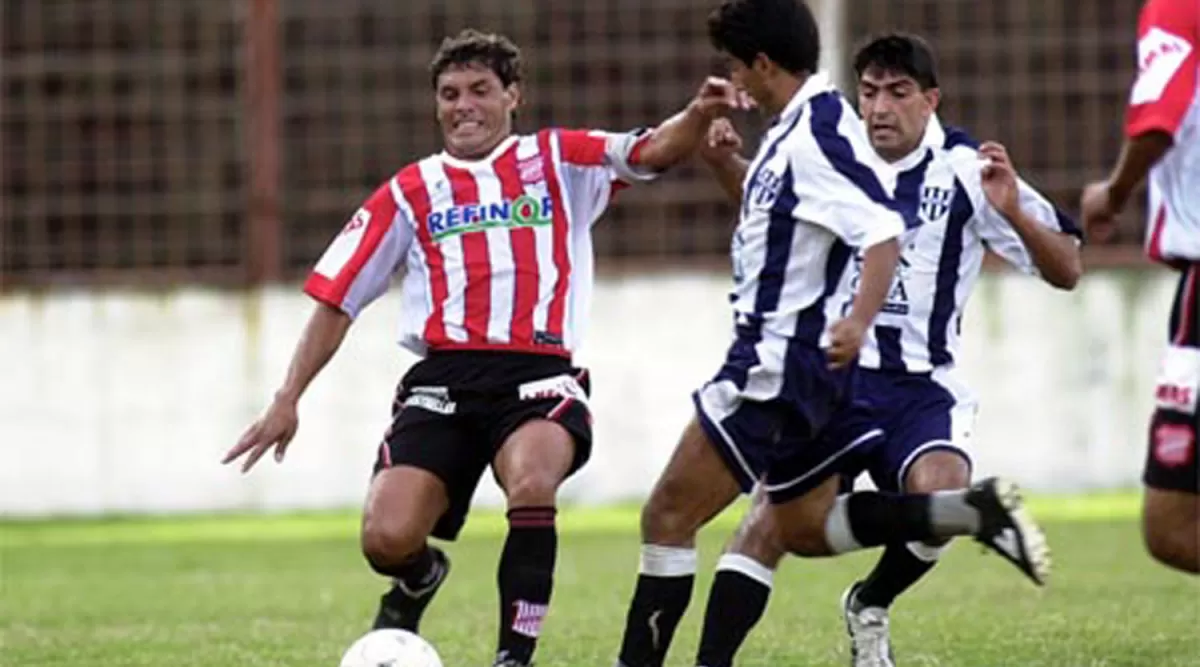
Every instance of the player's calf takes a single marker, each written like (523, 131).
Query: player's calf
(991, 511)
(530, 466)
(694, 487)
(741, 585)
(902, 565)
(1171, 515)
(403, 504)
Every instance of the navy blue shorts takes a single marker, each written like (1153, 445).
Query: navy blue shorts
(919, 413)
(779, 416)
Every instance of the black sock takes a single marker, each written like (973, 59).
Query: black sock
(871, 518)
(664, 588)
(897, 570)
(735, 604)
(525, 577)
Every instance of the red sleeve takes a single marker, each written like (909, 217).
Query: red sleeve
(354, 268)
(583, 148)
(1167, 62)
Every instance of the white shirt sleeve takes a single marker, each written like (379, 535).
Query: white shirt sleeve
(995, 230)
(359, 263)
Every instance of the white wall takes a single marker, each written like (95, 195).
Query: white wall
(122, 401)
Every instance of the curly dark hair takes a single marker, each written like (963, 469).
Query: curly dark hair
(472, 47)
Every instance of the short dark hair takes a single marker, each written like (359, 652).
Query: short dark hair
(783, 30)
(472, 47)
(899, 53)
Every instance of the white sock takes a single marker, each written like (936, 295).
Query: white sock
(660, 561)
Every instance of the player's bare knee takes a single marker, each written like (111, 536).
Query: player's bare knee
(533, 488)
(533, 462)
(1171, 529)
(938, 470)
(388, 543)
(664, 517)
(1176, 549)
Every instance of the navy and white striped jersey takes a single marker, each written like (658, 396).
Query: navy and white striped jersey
(918, 328)
(814, 190)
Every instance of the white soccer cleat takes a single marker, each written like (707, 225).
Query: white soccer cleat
(870, 641)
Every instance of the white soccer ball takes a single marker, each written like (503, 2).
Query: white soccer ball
(390, 648)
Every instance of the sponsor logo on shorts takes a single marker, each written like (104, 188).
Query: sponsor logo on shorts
(1178, 383)
(433, 399)
(1174, 444)
(559, 386)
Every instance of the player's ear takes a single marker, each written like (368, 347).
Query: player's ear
(934, 97)
(513, 95)
(762, 64)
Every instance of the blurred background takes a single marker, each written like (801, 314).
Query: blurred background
(170, 171)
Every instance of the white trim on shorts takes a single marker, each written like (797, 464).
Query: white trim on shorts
(731, 401)
(866, 437)
(962, 421)
(948, 445)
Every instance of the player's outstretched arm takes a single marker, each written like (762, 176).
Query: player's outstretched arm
(678, 137)
(1102, 201)
(323, 335)
(846, 335)
(1054, 254)
(721, 152)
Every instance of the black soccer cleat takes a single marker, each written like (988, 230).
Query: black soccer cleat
(1006, 527)
(402, 607)
(504, 660)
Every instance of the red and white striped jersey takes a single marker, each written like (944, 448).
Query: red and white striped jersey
(496, 254)
(1166, 97)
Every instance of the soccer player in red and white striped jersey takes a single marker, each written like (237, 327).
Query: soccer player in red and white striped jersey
(493, 239)
(1162, 132)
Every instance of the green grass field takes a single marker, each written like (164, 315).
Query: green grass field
(238, 591)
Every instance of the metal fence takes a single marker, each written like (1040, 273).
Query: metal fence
(227, 140)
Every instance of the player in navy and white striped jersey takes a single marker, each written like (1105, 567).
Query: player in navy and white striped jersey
(969, 199)
(493, 238)
(783, 409)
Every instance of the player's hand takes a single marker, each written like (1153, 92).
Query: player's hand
(274, 429)
(1098, 212)
(1000, 180)
(717, 97)
(722, 141)
(845, 340)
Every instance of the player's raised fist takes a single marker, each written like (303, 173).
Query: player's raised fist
(1097, 210)
(717, 97)
(845, 340)
(1000, 179)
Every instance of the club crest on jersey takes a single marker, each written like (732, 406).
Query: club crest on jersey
(530, 170)
(765, 189)
(524, 211)
(935, 202)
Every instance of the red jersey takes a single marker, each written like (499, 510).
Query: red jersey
(1166, 98)
(496, 253)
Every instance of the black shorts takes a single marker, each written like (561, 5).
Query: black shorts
(1172, 459)
(454, 410)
